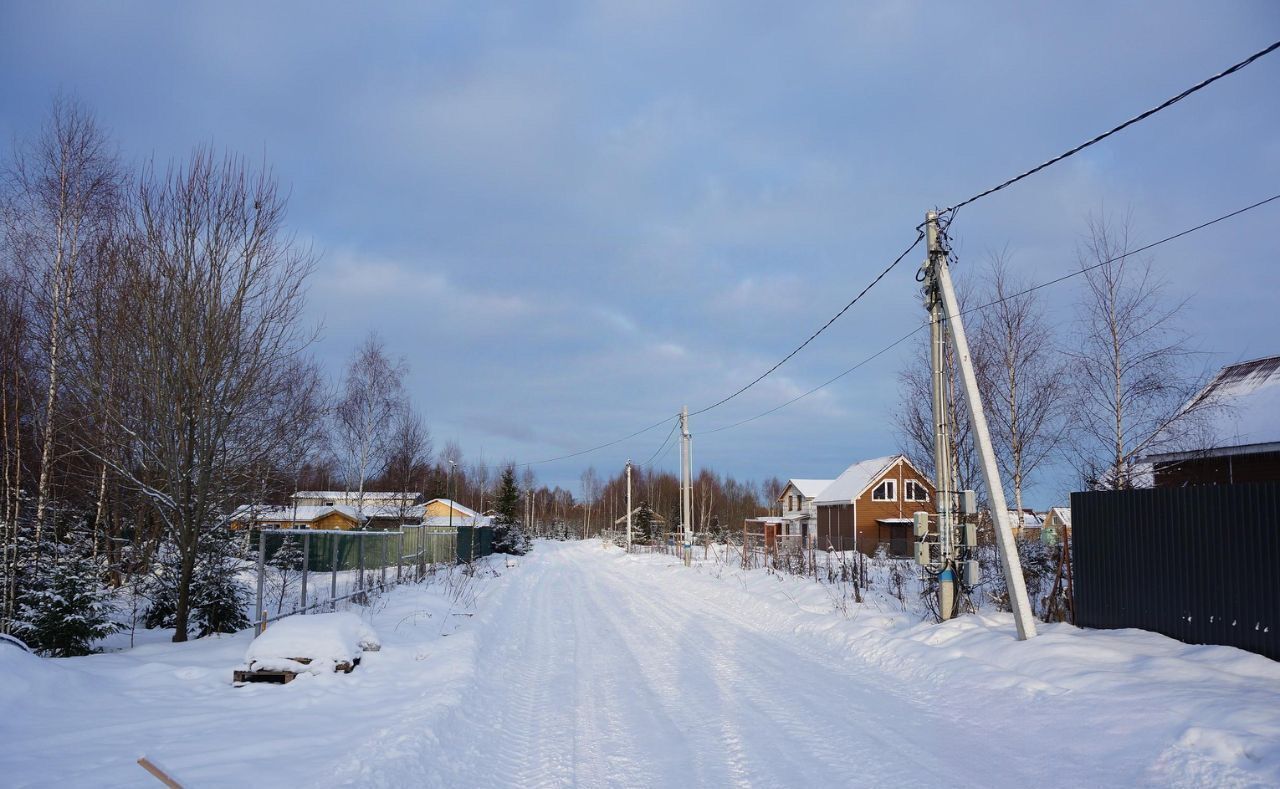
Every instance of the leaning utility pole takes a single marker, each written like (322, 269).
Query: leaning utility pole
(686, 484)
(945, 308)
(628, 506)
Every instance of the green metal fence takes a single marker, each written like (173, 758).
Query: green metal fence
(474, 542)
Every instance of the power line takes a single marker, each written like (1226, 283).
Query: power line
(600, 446)
(663, 446)
(1125, 254)
(830, 381)
(814, 336)
(1135, 119)
(1031, 289)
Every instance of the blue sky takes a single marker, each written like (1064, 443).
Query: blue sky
(572, 218)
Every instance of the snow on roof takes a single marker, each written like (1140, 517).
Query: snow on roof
(464, 520)
(855, 479)
(302, 513)
(653, 517)
(1029, 518)
(807, 487)
(1245, 402)
(342, 494)
(410, 512)
(467, 511)
(1062, 514)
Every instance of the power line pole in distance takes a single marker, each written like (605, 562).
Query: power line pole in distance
(686, 484)
(628, 506)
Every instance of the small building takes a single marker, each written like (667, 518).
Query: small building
(304, 516)
(1056, 520)
(799, 513)
(1241, 442)
(446, 512)
(870, 505)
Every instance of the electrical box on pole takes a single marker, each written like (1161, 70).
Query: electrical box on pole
(944, 310)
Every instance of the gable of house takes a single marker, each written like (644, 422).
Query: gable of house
(441, 508)
(798, 493)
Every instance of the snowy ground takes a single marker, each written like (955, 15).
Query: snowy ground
(583, 666)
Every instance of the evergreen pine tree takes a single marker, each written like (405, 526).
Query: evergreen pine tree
(287, 563)
(218, 599)
(65, 610)
(642, 524)
(508, 532)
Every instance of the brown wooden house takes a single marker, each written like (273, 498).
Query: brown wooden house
(871, 504)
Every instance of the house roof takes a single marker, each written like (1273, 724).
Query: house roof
(1245, 411)
(468, 520)
(1028, 518)
(655, 517)
(411, 512)
(1063, 514)
(855, 480)
(807, 487)
(466, 511)
(303, 513)
(370, 496)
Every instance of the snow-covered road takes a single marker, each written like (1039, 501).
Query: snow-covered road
(592, 675)
(587, 667)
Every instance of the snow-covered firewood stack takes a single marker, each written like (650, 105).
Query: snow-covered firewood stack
(316, 644)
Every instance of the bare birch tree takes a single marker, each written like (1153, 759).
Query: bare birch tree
(1130, 363)
(1020, 374)
(65, 188)
(408, 455)
(590, 493)
(365, 416)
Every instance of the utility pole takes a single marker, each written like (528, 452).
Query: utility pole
(686, 484)
(628, 506)
(945, 307)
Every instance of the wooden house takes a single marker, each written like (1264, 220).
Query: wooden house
(870, 505)
(303, 516)
(798, 513)
(1056, 521)
(446, 512)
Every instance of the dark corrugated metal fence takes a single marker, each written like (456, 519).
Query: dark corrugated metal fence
(1200, 564)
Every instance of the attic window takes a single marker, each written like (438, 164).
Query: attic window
(914, 491)
(886, 491)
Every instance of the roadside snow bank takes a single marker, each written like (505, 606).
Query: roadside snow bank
(1176, 714)
(324, 640)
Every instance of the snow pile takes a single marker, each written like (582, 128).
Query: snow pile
(325, 640)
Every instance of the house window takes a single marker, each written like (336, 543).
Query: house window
(914, 491)
(886, 491)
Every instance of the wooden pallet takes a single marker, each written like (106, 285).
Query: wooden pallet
(243, 676)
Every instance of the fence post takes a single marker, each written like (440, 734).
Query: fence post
(333, 566)
(262, 570)
(360, 561)
(382, 572)
(306, 566)
(400, 555)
